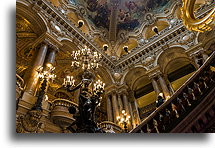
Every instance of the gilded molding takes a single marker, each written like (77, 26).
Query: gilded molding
(192, 22)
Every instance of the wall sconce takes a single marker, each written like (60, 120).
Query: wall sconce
(125, 49)
(155, 29)
(105, 46)
(160, 94)
(80, 23)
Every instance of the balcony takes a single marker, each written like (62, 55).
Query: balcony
(110, 127)
(196, 93)
(60, 114)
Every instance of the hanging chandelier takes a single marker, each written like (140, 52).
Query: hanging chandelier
(85, 58)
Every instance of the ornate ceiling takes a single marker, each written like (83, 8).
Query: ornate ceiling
(130, 14)
(117, 23)
(100, 11)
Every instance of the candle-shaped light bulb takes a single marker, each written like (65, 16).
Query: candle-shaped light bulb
(64, 82)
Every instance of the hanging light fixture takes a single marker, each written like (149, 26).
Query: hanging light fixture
(85, 58)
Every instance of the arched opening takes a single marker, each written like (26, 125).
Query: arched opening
(131, 43)
(178, 71)
(145, 96)
(144, 93)
(176, 66)
(148, 33)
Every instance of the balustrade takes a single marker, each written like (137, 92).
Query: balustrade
(192, 92)
(110, 127)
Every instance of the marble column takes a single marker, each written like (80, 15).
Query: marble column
(156, 86)
(120, 104)
(170, 88)
(109, 109)
(164, 87)
(33, 78)
(132, 116)
(136, 112)
(50, 59)
(115, 107)
(205, 56)
(195, 59)
(51, 56)
(125, 103)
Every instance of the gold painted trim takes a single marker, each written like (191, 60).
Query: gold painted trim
(191, 22)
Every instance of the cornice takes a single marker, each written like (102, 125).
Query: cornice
(154, 45)
(48, 39)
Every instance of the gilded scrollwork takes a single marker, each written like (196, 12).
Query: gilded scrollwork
(30, 123)
(192, 22)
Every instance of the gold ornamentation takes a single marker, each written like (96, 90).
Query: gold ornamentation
(30, 123)
(194, 24)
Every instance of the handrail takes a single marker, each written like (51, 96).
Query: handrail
(113, 125)
(184, 93)
(68, 103)
(20, 82)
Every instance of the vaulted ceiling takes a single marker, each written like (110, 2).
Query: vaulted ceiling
(130, 13)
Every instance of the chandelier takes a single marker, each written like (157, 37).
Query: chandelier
(124, 120)
(45, 75)
(85, 58)
(90, 91)
(89, 100)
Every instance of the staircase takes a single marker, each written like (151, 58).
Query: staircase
(191, 109)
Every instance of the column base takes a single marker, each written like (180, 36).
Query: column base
(26, 103)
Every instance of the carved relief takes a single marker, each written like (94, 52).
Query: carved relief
(30, 123)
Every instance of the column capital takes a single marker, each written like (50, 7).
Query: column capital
(155, 74)
(48, 39)
(110, 89)
(123, 89)
(199, 50)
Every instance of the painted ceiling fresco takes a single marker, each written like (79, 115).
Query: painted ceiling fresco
(130, 12)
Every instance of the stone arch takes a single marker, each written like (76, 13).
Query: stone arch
(132, 75)
(37, 23)
(177, 63)
(169, 55)
(176, 66)
(131, 43)
(105, 75)
(68, 44)
(161, 24)
(184, 47)
(207, 45)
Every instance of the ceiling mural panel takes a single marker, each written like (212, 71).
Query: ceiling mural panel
(98, 12)
(130, 12)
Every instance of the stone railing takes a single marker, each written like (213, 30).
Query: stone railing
(60, 114)
(147, 109)
(174, 110)
(110, 127)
